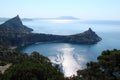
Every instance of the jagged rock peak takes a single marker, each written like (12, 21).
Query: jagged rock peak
(16, 20)
(90, 29)
(14, 25)
(87, 37)
(17, 16)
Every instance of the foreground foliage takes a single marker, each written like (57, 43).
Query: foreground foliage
(33, 67)
(107, 67)
(38, 67)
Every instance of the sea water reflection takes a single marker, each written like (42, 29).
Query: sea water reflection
(72, 57)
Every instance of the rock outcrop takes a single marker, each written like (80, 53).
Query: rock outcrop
(87, 37)
(14, 25)
(14, 33)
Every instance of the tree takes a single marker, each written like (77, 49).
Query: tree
(35, 67)
(107, 67)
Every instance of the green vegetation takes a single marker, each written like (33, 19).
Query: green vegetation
(33, 67)
(107, 67)
(2, 63)
(38, 67)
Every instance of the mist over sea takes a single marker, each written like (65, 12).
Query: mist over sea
(73, 57)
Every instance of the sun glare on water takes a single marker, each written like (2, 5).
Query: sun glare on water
(65, 58)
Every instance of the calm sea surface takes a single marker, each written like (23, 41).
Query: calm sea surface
(72, 57)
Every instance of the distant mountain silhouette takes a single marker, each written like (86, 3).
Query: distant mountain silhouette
(27, 19)
(67, 17)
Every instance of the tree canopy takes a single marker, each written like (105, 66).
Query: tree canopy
(38, 67)
(33, 67)
(107, 67)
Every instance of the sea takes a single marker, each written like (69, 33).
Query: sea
(73, 57)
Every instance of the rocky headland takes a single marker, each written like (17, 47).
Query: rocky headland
(14, 33)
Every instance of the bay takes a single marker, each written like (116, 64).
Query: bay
(73, 57)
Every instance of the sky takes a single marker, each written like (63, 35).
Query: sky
(83, 9)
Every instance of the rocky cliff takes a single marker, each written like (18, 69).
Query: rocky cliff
(87, 37)
(14, 25)
(14, 33)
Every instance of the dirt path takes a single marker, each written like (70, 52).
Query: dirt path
(3, 68)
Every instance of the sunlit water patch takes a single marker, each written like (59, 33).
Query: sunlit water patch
(72, 57)
(70, 66)
(66, 59)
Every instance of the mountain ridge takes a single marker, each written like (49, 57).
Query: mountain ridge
(15, 25)
(14, 33)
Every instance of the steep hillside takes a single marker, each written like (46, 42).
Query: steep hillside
(14, 25)
(14, 33)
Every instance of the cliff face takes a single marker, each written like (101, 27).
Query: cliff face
(87, 37)
(14, 25)
(14, 33)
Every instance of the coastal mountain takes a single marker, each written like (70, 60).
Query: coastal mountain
(87, 37)
(14, 25)
(14, 33)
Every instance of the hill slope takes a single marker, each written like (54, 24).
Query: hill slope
(14, 25)
(14, 33)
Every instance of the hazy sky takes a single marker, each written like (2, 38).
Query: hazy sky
(84, 9)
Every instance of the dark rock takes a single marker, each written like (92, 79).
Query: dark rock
(14, 33)
(87, 37)
(6, 53)
(14, 25)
